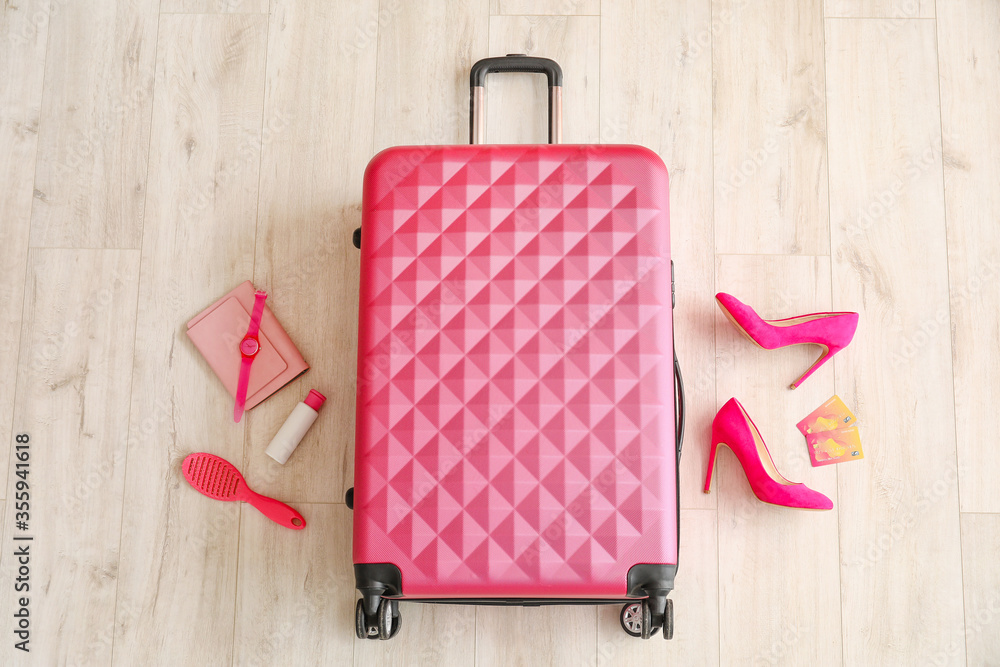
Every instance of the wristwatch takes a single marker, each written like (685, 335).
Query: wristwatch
(249, 347)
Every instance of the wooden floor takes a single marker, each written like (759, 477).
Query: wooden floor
(155, 153)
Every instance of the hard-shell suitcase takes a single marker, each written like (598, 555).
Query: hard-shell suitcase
(517, 434)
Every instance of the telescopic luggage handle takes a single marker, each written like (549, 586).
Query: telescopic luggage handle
(514, 62)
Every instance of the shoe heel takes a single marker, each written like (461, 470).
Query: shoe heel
(733, 428)
(711, 467)
(825, 357)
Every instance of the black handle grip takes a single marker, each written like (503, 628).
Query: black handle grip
(516, 62)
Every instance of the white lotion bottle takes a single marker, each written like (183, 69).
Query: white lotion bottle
(294, 429)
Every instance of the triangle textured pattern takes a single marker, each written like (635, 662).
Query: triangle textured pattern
(515, 377)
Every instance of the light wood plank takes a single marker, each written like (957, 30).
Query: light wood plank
(93, 139)
(422, 91)
(24, 34)
(980, 545)
(547, 7)
(769, 553)
(897, 10)
(431, 634)
(422, 97)
(309, 207)
(178, 575)
(769, 128)
(294, 604)
(529, 636)
(72, 401)
(658, 93)
(573, 42)
(696, 607)
(213, 6)
(899, 534)
(968, 33)
(903, 552)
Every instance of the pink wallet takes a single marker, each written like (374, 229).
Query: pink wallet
(217, 332)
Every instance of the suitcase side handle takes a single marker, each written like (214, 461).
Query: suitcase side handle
(678, 407)
(514, 62)
(678, 379)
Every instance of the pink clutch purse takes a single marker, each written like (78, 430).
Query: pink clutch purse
(218, 331)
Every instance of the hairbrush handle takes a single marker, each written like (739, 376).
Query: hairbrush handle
(275, 510)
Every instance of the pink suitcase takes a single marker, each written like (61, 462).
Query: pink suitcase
(517, 435)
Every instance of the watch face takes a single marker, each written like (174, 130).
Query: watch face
(249, 346)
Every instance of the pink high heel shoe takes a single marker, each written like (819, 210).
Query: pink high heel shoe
(733, 427)
(831, 331)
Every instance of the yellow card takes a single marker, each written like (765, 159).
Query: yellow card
(835, 446)
(830, 416)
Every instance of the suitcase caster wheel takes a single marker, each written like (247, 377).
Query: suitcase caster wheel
(349, 498)
(636, 619)
(397, 623)
(389, 619)
(364, 628)
(668, 620)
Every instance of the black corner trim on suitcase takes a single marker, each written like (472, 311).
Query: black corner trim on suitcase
(655, 583)
(646, 579)
(374, 580)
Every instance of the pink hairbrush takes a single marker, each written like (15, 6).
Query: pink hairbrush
(217, 478)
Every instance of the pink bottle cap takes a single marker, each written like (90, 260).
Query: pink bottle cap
(315, 400)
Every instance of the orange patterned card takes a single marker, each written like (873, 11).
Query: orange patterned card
(834, 446)
(831, 416)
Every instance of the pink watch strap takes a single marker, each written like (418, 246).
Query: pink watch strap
(249, 347)
(258, 311)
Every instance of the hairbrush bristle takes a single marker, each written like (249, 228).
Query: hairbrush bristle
(213, 476)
